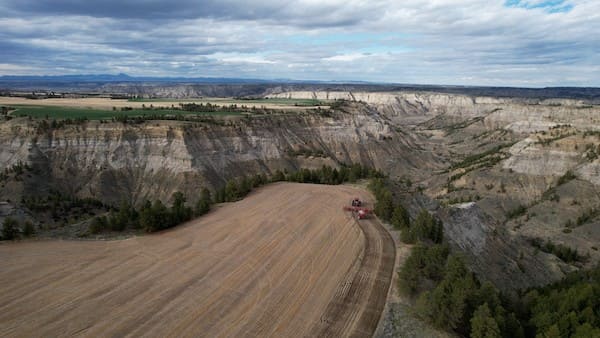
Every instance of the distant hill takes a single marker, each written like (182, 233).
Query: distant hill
(123, 83)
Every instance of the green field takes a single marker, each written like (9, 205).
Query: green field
(98, 114)
(249, 102)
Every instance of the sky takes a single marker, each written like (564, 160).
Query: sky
(526, 43)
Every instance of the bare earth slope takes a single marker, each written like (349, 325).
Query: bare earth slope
(285, 261)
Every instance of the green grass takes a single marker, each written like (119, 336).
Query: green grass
(99, 114)
(282, 101)
(276, 101)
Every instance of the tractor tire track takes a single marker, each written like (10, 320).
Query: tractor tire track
(358, 303)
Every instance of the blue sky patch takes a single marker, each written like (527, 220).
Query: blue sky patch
(550, 6)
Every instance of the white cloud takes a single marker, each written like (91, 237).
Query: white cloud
(7, 68)
(240, 58)
(346, 57)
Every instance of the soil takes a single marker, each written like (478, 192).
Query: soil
(285, 261)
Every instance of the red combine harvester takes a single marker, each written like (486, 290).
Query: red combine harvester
(357, 207)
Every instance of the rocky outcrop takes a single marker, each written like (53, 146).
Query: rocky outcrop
(495, 255)
(111, 161)
(519, 114)
(528, 157)
(590, 172)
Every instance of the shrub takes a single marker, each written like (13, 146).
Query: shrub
(28, 229)
(568, 176)
(98, 225)
(203, 204)
(10, 229)
(518, 211)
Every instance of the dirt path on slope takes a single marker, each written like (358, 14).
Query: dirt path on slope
(272, 264)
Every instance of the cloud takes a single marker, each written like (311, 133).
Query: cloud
(302, 12)
(472, 42)
(345, 57)
(240, 58)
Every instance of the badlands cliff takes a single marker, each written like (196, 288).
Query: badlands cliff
(498, 171)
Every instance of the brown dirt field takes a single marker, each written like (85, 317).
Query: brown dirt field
(107, 103)
(286, 261)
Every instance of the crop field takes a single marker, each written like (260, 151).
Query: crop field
(99, 114)
(247, 102)
(286, 261)
(103, 108)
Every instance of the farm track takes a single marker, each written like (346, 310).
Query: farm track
(356, 308)
(286, 261)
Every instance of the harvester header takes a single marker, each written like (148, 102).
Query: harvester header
(356, 207)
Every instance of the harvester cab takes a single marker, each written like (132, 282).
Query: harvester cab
(356, 202)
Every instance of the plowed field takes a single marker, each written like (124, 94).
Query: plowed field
(285, 261)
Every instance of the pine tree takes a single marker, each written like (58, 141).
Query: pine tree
(28, 229)
(586, 330)
(232, 191)
(409, 275)
(123, 217)
(552, 332)
(98, 225)
(278, 176)
(180, 213)
(10, 229)
(407, 236)
(245, 186)
(483, 325)
(425, 227)
(384, 205)
(203, 204)
(114, 222)
(449, 300)
(400, 218)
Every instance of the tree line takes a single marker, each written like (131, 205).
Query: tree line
(155, 216)
(563, 252)
(152, 216)
(12, 229)
(236, 189)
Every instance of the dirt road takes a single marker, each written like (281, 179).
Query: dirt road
(286, 261)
